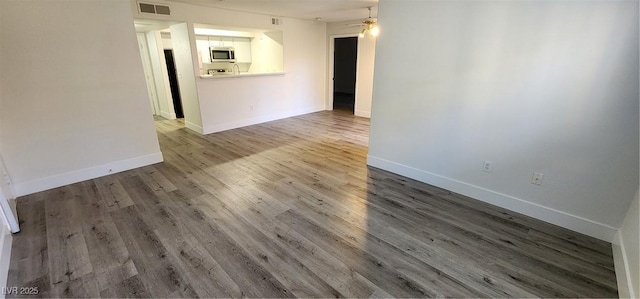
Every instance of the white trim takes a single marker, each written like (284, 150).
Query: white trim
(148, 72)
(8, 199)
(332, 41)
(193, 127)
(363, 113)
(621, 262)
(260, 119)
(168, 115)
(54, 181)
(9, 214)
(5, 256)
(560, 218)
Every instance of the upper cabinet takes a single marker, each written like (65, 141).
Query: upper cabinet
(220, 41)
(202, 45)
(257, 51)
(242, 46)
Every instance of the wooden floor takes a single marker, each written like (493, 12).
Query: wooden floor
(289, 209)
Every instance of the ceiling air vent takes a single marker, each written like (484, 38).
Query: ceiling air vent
(148, 8)
(276, 21)
(154, 8)
(163, 10)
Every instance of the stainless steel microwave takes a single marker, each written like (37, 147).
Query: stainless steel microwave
(223, 54)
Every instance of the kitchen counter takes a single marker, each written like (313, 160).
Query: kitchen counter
(240, 75)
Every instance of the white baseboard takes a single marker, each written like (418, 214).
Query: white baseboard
(54, 181)
(621, 262)
(193, 127)
(363, 113)
(560, 218)
(258, 120)
(167, 115)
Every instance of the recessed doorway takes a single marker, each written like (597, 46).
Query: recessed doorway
(344, 73)
(173, 83)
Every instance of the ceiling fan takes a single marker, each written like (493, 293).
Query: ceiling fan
(369, 25)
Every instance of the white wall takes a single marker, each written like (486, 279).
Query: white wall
(6, 238)
(544, 86)
(364, 68)
(364, 75)
(5, 234)
(626, 253)
(267, 51)
(75, 104)
(233, 102)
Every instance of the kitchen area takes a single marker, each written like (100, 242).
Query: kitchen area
(226, 53)
(188, 70)
(232, 68)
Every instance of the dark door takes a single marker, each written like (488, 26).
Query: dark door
(173, 82)
(344, 73)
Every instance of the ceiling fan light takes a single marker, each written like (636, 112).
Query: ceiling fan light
(362, 33)
(375, 31)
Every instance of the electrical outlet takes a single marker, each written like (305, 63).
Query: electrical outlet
(486, 167)
(537, 178)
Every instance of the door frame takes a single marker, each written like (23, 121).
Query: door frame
(332, 45)
(8, 200)
(148, 73)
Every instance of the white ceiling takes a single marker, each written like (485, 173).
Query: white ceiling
(326, 10)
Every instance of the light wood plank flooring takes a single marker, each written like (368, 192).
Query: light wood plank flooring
(289, 209)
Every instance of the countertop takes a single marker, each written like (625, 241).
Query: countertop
(240, 75)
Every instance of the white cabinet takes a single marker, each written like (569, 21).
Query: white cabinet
(220, 41)
(242, 46)
(202, 45)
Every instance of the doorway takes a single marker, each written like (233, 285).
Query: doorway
(344, 73)
(173, 82)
